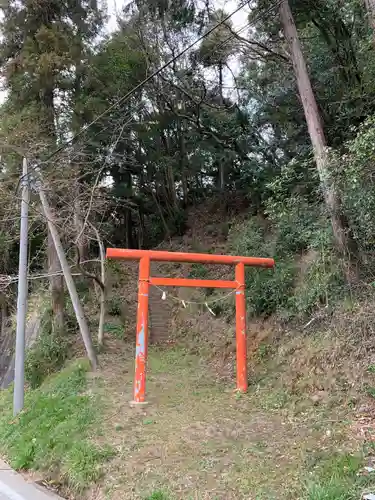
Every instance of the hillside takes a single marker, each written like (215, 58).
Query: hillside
(304, 430)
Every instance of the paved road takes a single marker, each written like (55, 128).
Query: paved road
(14, 487)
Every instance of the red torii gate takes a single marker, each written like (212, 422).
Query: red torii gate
(145, 280)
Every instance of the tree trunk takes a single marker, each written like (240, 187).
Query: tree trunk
(78, 309)
(83, 242)
(102, 291)
(221, 164)
(56, 287)
(56, 282)
(183, 169)
(169, 174)
(221, 83)
(343, 239)
(370, 7)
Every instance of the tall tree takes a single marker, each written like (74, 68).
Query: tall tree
(40, 52)
(343, 239)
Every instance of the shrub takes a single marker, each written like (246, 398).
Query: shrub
(267, 289)
(47, 355)
(355, 171)
(294, 230)
(114, 306)
(322, 282)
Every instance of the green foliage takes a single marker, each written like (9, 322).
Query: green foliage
(263, 351)
(114, 306)
(184, 137)
(269, 292)
(321, 283)
(198, 271)
(157, 495)
(266, 290)
(297, 224)
(178, 222)
(83, 463)
(307, 274)
(371, 391)
(52, 433)
(355, 170)
(336, 478)
(115, 330)
(47, 355)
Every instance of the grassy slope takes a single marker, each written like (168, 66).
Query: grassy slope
(293, 436)
(199, 440)
(52, 434)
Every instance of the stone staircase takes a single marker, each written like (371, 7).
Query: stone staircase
(160, 311)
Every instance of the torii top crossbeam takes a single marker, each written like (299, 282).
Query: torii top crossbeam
(204, 258)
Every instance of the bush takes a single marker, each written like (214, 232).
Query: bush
(322, 283)
(47, 355)
(297, 226)
(294, 230)
(267, 290)
(355, 171)
(114, 306)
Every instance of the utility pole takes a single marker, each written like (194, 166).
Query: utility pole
(80, 315)
(19, 370)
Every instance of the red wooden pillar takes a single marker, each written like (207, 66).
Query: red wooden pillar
(142, 332)
(241, 329)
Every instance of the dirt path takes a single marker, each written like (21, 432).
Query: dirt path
(198, 440)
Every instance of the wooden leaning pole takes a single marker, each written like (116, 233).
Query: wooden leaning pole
(145, 280)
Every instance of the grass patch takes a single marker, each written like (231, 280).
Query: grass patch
(114, 330)
(51, 434)
(170, 361)
(47, 356)
(157, 495)
(338, 478)
(199, 439)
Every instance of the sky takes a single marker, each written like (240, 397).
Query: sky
(239, 19)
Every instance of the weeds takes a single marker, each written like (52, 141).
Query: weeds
(198, 271)
(51, 434)
(337, 478)
(114, 306)
(47, 355)
(157, 495)
(114, 330)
